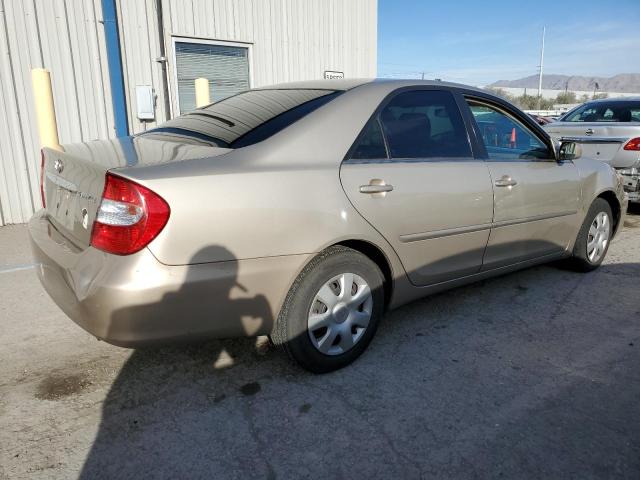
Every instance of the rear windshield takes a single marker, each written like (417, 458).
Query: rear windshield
(620, 111)
(244, 119)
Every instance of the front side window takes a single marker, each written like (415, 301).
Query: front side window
(615, 111)
(504, 137)
(246, 118)
(416, 124)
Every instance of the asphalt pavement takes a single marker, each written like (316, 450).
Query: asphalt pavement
(531, 375)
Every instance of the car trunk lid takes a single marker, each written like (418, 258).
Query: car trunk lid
(73, 177)
(601, 141)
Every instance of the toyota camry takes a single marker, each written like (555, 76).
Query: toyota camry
(304, 211)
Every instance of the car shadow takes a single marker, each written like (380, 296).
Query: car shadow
(519, 376)
(155, 373)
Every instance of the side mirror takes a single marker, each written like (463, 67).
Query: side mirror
(569, 150)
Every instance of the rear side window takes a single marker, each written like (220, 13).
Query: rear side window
(504, 137)
(371, 142)
(415, 124)
(246, 118)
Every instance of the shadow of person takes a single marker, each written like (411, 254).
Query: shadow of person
(157, 381)
(208, 301)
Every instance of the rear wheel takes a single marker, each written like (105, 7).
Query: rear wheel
(332, 310)
(594, 237)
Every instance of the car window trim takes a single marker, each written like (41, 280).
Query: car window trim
(477, 145)
(520, 118)
(376, 114)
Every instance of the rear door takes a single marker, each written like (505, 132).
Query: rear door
(412, 175)
(535, 197)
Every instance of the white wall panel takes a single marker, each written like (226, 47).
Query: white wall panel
(65, 37)
(287, 39)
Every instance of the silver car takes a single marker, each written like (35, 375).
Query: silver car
(304, 211)
(609, 130)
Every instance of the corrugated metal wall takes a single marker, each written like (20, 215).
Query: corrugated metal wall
(65, 37)
(287, 40)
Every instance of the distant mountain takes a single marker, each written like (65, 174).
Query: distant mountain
(625, 82)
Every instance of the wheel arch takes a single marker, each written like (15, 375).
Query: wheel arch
(610, 197)
(377, 256)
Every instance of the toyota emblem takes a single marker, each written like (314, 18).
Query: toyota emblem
(58, 165)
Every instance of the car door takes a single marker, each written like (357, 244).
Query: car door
(535, 197)
(411, 173)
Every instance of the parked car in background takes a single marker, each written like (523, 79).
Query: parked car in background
(304, 211)
(609, 130)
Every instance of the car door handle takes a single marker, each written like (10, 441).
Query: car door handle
(506, 181)
(373, 188)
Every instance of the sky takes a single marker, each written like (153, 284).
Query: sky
(478, 42)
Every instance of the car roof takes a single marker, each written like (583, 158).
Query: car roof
(334, 84)
(350, 83)
(634, 98)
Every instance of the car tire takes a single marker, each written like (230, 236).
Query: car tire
(322, 325)
(593, 232)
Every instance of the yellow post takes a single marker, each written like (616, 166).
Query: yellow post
(45, 110)
(202, 92)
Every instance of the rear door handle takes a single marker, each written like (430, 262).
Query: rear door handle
(373, 188)
(506, 181)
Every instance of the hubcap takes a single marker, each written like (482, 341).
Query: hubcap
(340, 314)
(598, 237)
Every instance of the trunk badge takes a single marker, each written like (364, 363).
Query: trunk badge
(58, 165)
(85, 218)
(589, 131)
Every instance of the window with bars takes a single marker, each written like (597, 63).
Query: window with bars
(226, 68)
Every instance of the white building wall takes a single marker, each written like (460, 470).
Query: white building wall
(65, 37)
(287, 39)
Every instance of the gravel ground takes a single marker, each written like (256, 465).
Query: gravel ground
(531, 375)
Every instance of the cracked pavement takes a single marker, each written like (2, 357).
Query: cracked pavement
(530, 375)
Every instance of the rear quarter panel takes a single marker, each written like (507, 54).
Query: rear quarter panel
(279, 197)
(597, 178)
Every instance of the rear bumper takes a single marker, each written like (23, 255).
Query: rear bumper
(135, 300)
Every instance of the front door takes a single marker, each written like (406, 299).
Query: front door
(412, 175)
(535, 197)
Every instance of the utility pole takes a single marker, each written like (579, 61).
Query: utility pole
(544, 30)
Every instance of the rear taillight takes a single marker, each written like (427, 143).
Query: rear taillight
(129, 217)
(44, 201)
(633, 144)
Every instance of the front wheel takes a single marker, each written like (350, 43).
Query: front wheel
(594, 237)
(332, 310)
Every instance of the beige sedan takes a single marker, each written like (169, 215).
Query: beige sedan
(303, 211)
